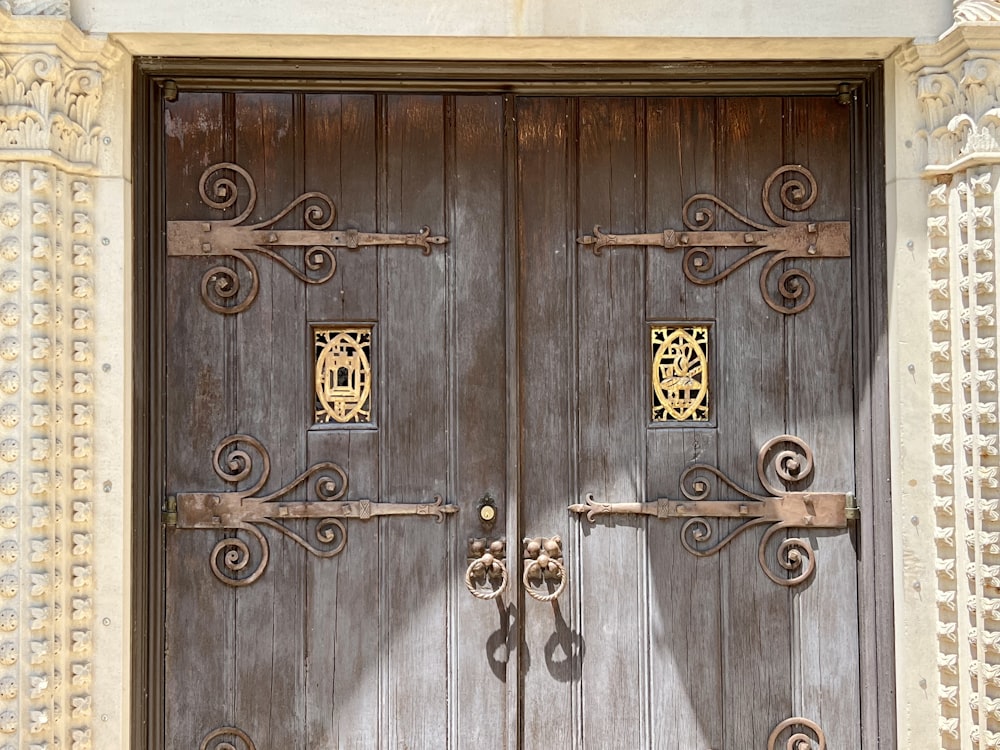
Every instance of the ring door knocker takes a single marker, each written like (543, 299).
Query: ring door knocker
(487, 563)
(543, 561)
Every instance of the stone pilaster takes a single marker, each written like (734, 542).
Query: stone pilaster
(945, 396)
(62, 644)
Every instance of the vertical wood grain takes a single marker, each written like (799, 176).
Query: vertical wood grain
(553, 647)
(341, 634)
(610, 314)
(684, 595)
(756, 638)
(414, 425)
(199, 633)
(479, 396)
(266, 352)
(820, 371)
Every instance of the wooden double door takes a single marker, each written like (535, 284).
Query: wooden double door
(353, 400)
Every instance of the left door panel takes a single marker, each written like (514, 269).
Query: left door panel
(377, 645)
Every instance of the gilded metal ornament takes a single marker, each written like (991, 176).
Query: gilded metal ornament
(248, 510)
(543, 561)
(343, 374)
(778, 511)
(794, 289)
(799, 740)
(221, 286)
(679, 373)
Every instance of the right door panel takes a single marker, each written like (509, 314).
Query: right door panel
(650, 644)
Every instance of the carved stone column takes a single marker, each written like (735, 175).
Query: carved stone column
(63, 650)
(946, 401)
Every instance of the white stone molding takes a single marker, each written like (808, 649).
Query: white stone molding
(967, 11)
(956, 147)
(53, 156)
(36, 7)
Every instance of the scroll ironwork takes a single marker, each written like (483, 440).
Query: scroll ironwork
(809, 735)
(217, 740)
(221, 187)
(250, 511)
(795, 288)
(779, 510)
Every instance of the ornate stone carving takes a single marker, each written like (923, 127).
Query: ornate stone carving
(51, 145)
(976, 10)
(49, 106)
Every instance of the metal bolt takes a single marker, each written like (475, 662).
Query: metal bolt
(105, 241)
(916, 585)
(909, 244)
(914, 520)
(106, 367)
(107, 486)
(104, 717)
(106, 621)
(923, 683)
(107, 140)
(911, 369)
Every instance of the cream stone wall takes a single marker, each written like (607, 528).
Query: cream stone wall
(944, 196)
(64, 395)
(66, 248)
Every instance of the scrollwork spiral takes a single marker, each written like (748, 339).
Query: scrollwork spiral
(796, 194)
(235, 557)
(332, 483)
(792, 464)
(215, 740)
(236, 464)
(331, 533)
(795, 555)
(798, 740)
(225, 190)
(794, 286)
(221, 285)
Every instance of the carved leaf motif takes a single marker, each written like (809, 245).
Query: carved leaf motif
(967, 11)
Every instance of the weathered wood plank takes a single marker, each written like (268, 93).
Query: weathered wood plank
(413, 301)
(479, 433)
(553, 648)
(684, 596)
(341, 634)
(821, 411)
(267, 356)
(199, 609)
(610, 312)
(752, 404)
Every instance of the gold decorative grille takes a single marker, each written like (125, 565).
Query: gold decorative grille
(679, 373)
(343, 374)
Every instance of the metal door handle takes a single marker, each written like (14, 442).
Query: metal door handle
(487, 562)
(543, 561)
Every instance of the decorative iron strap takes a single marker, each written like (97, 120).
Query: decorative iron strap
(799, 740)
(246, 510)
(795, 287)
(779, 511)
(221, 286)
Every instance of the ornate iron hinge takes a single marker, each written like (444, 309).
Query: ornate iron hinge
(779, 511)
(246, 510)
(221, 285)
(795, 288)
